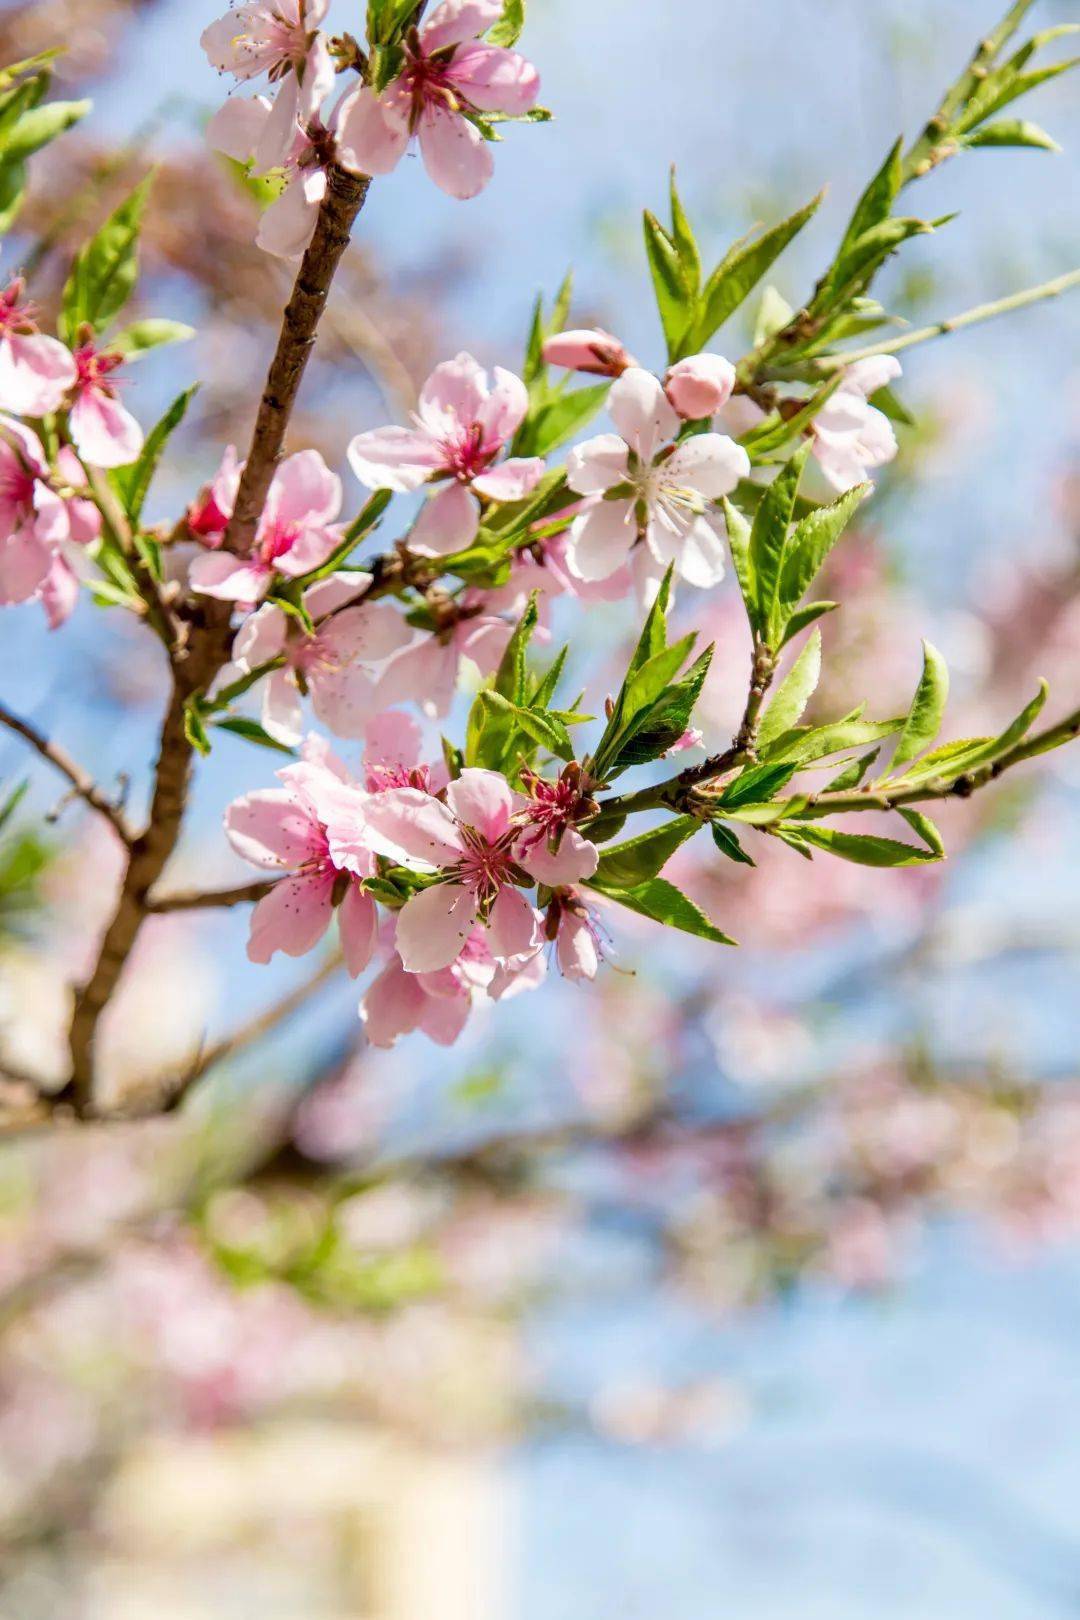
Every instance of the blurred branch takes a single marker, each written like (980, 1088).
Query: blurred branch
(209, 899)
(81, 781)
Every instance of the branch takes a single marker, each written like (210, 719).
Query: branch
(344, 200)
(208, 899)
(82, 783)
(158, 608)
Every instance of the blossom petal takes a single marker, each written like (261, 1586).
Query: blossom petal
(454, 395)
(697, 550)
(482, 799)
(287, 226)
(104, 433)
(434, 925)
(642, 412)
(367, 633)
(372, 134)
(456, 155)
(494, 79)
(358, 924)
(231, 579)
(279, 132)
(35, 373)
(392, 739)
(575, 948)
(447, 523)
(269, 828)
(709, 463)
(236, 128)
(282, 711)
(601, 539)
(505, 408)
(575, 859)
(456, 21)
(514, 926)
(331, 594)
(410, 827)
(343, 699)
(260, 637)
(444, 1017)
(395, 458)
(512, 480)
(597, 465)
(292, 918)
(304, 491)
(24, 566)
(393, 1005)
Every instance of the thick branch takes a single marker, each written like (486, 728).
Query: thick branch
(82, 783)
(344, 200)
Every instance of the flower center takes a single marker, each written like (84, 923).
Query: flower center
(94, 366)
(467, 453)
(485, 868)
(425, 82)
(279, 539)
(16, 484)
(17, 315)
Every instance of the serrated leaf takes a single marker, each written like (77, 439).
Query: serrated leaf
(739, 272)
(811, 542)
(925, 829)
(927, 708)
(727, 843)
(793, 693)
(511, 677)
(666, 904)
(682, 235)
(654, 730)
(541, 726)
(863, 849)
(645, 856)
(803, 747)
(768, 541)
(853, 773)
(803, 617)
(106, 268)
(738, 533)
(875, 204)
(757, 784)
(1013, 132)
(507, 31)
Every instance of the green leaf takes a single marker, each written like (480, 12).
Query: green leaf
(194, 727)
(252, 732)
(854, 271)
(674, 297)
(739, 272)
(757, 784)
(655, 729)
(802, 747)
(803, 617)
(738, 533)
(666, 904)
(507, 30)
(646, 855)
(768, 541)
(863, 849)
(853, 773)
(12, 193)
(511, 677)
(924, 828)
(727, 843)
(12, 802)
(560, 419)
(928, 705)
(106, 268)
(40, 125)
(793, 693)
(875, 204)
(683, 237)
(132, 483)
(1013, 132)
(774, 313)
(142, 336)
(811, 542)
(540, 726)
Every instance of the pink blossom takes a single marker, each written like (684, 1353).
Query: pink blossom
(471, 842)
(460, 427)
(278, 38)
(691, 738)
(439, 1003)
(239, 129)
(426, 671)
(34, 519)
(700, 385)
(850, 435)
(641, 485)
(284, 830)
(208, 515)
(36, 372)
(104, 433)
(449, 77)
(553, 850)
(588, 349)
(337, 666)
(572, 923)
(392, 756)
(296, 534)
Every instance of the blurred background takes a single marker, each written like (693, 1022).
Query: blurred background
(745, 1282)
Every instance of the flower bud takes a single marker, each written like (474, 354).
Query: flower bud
(588, 349)
(700, 385)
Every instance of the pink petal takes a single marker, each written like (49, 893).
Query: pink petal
(597, 465)
(575, 948)
(24, 566)
(287, 226)
(642, 413)
(59, 592)
(447, 523)
(35, 374)
(709, 463)
(456, 21)
(282, 712)
(601, 539)
(367, 633)
(575, 860)
(394, 458)
(304, 491)
(453, 396)
(505, 408)
(343, 699)
(483, 641)
(410, 827)
(280, 130)
(393, 739)
(444, 1017)
(372, 132)
(292, 918)
(260, 637)
(358, 924)
(494, 79)
(310, 549)
(700, 385)
(236, 128)
(456, 155)
(231, 579)
(331, 594)
(867, 376)
(269, 828)
(105, 434)
(482, 799)
(511, 481)
(514, 926)
(434, 925)
(393, 1005)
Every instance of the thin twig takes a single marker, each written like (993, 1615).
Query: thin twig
(82, 783)
(208, 899)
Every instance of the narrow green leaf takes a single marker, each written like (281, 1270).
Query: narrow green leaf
(1013, 132)
(877, 200)
(757, 784)
(132, 483)
(739, 272)
(252, 732)
(811, 542)
(646, 855)
(863, 849)
(803, 617)
(768, 541)
(507, 30)
(41, 125)
(674, 299)
(511, 677)
(653, 730)
(106, 268)
(141, 336)
(682, 235)
(793, 693)
(928, 706)
(738, 532)
(666, 904)
(727, 843)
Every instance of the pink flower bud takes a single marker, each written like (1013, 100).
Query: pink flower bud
(699, 385)
(589, 349)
